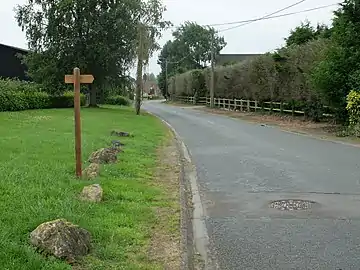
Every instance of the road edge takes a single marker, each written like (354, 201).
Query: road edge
(194, 236)
(294, 132)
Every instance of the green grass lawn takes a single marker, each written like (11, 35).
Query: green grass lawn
(37, 184)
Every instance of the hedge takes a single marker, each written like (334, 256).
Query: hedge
(281, 76)
(353, 107)
(18, 101)
(18, 96)
(117, 100)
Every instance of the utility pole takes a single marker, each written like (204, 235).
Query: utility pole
(166, 78)
(139, 77)
(212, 80)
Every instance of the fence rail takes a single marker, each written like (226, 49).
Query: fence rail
(244, 105)
(193, 100)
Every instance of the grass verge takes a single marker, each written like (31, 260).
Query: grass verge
(37, 184)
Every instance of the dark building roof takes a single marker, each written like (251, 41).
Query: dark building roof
(11, 66)
(222, 59)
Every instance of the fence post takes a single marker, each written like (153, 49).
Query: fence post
(282, 107)
(293, 109)
(235, 104)
(271, 107)
(248, 105)
(241, 105)
(224, 103)
(229, 105)
(256, 104)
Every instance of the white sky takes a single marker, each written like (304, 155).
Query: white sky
(256, 37)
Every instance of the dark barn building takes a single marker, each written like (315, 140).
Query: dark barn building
(11, 66)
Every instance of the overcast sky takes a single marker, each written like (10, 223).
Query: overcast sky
(256, 37)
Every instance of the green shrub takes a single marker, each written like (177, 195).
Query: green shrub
(281, 76)
(66, 100)
(191, 83)
(314, 110)
(353, 107)
(19, 86)
(18, 101)
(17, 96)
(118, 100)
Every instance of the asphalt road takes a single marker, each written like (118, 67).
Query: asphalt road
(242, 167)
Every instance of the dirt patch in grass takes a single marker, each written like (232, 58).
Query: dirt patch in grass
(324, 130)
(165, 242)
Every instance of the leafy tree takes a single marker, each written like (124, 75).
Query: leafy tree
(151, 77)
(340, 73)
(98, 36)
(306, 32)
(190, 49)
(195, 41)
(323, 31)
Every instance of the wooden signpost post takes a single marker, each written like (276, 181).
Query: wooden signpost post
(78, 79)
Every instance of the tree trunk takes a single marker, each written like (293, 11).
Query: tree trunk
(93, 101)
(139, 79)
(138, 87)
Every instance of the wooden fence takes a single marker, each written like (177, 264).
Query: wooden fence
(247, 105)
(185, 99)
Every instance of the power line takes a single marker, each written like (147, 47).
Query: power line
(285, 8)
(242, 23)
(268, 15)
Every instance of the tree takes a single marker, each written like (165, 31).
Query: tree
(98, 36)
(152, 77)
(306, 32)
(340, 72)
(190, 49)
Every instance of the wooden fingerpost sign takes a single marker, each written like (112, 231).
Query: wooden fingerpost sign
(78, 79)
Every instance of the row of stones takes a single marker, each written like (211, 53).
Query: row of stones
(63, 239)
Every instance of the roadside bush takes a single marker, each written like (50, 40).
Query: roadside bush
(66, 100)
(17, 96)
(114, 90)
(18, 101)
(353, 107)
(118, 100)
(191, 83)
(19, 86)
(314, 110)
(281, 76)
